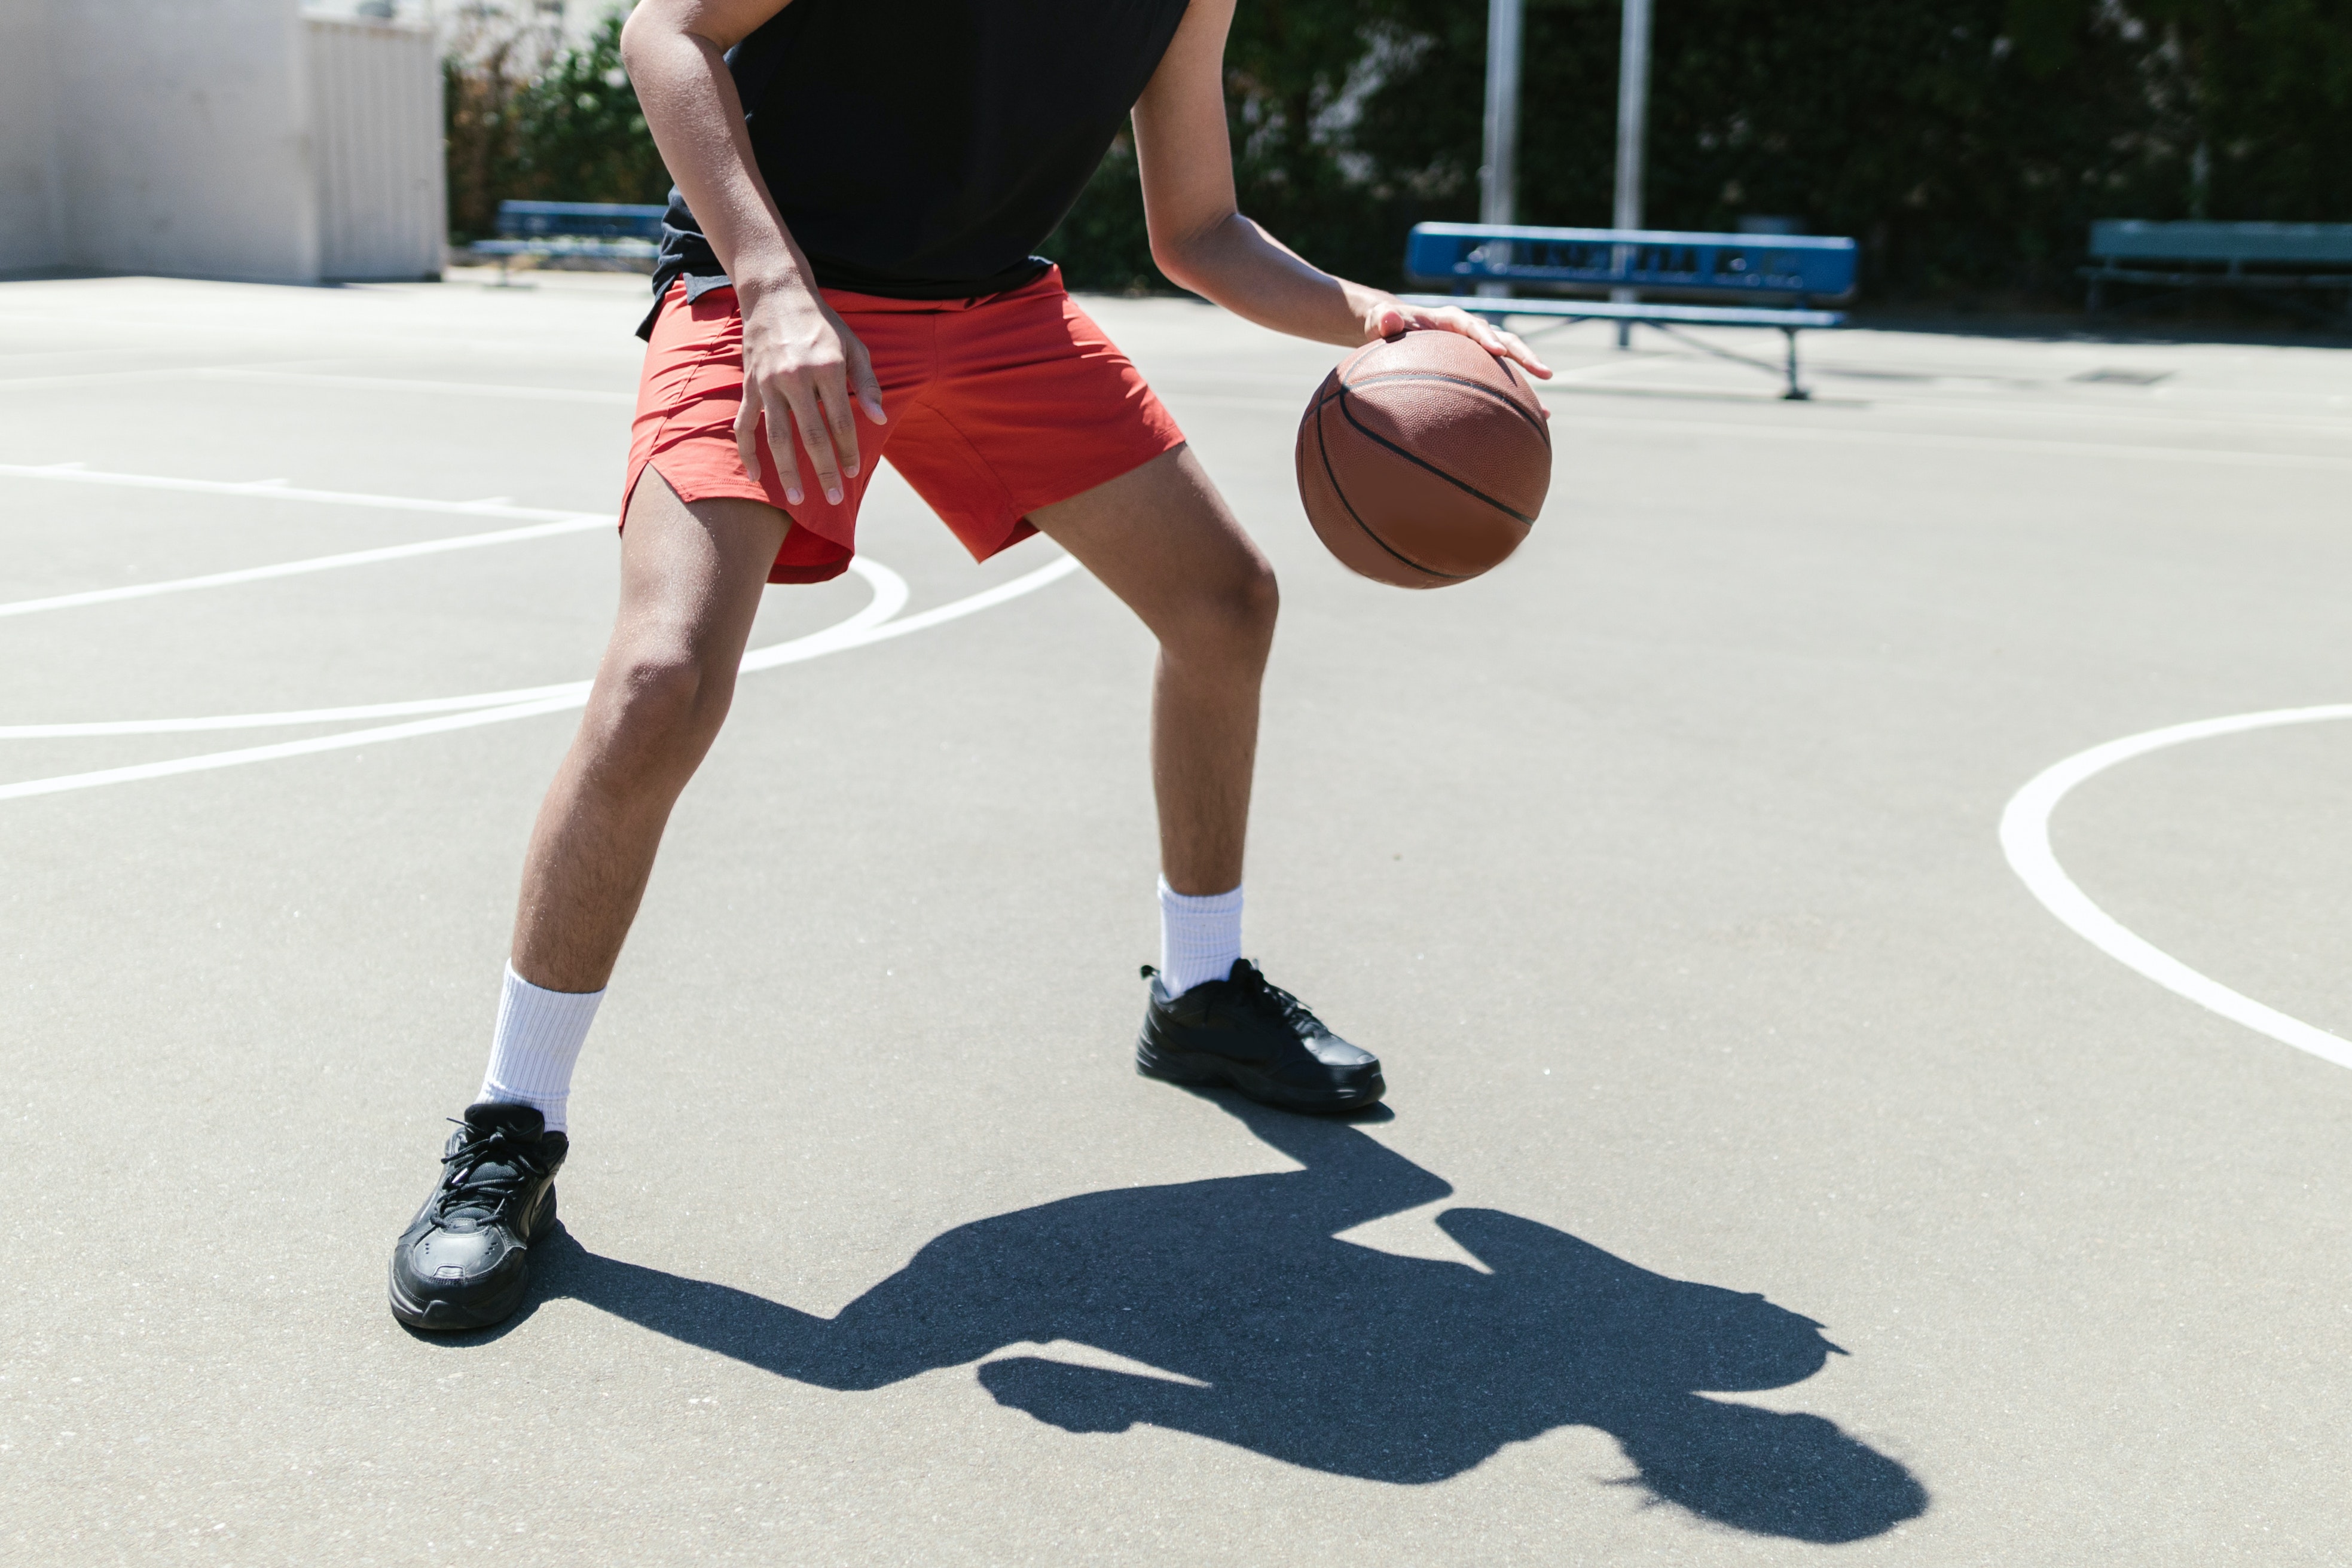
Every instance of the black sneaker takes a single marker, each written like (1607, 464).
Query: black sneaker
(1257, 1038)
(464, 1260)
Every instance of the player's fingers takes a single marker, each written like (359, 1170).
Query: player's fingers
(1478, 330)
(840, 419)
(747, 428)
(862, 380)
(809, 416)
(1492, 339)
(1520, 354)
(780, 448)
(1386, 321)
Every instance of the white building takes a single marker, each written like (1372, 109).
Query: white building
(567, 21)
(237, 139)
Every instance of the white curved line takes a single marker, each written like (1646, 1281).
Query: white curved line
(278, 490)
(579, 522)
(954, 609)
(890, 595)
(437, 389)
(288, 719)
(2025, 840)
(871, 624)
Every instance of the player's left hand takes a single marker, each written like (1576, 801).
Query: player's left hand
(1387, 318)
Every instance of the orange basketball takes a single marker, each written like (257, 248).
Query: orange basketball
(1423, 459)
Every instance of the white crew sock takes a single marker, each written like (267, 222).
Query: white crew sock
(538, 1040)
(1199, 937)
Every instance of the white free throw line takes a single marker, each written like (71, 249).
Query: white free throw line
(871, 624)
(890, 595)
(385, 383)
(278, 491)
(578, 523)
(290, 719)
(1784, 428)
(2025, 840)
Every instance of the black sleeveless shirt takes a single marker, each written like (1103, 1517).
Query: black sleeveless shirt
(922, 149)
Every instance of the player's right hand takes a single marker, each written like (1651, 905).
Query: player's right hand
(801, 365)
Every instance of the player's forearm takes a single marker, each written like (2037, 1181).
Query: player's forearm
(1236, 263)
(697, 118)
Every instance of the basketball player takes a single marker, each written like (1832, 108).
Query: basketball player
(847, 272)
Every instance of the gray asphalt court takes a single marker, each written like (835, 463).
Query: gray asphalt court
(1777, 1169)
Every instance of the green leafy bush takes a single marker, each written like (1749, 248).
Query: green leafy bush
(1967, 143)
(527, 121)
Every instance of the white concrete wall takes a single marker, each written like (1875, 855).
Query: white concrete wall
(182, 136)
(375, 118)
(32, 213)
(218, 138)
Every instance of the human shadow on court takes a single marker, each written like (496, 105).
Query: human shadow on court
(1316, 1351)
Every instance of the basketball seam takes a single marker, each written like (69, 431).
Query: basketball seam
(1417, 462)
(1540, 426)
(1323, 451)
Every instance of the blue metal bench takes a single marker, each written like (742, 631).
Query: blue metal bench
(600, 231)
(2191, 256)
(1781, 275)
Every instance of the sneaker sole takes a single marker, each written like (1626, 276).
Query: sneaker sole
(1199, 1068)
(442, 1316)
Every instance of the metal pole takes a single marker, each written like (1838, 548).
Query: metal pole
(1498, 177)
(1633, 111)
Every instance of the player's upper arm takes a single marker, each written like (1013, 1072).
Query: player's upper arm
(725, 23)
(1185, 158)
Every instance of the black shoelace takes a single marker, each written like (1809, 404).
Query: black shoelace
(467, 1188)
(1270, 997)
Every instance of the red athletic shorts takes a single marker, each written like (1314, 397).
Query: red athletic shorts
(997, 407)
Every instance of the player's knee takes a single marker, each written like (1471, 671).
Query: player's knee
(1260, 598)
(666, 696)
(1239, 612)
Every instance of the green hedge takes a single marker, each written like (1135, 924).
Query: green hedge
(528, 123)
(1967, 143)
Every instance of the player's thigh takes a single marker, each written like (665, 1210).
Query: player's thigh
(1162, 539)
(692, 572)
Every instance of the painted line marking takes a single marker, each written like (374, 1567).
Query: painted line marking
(1778, 431)
(386, 383)
(278, 490)
(288, 719)
(580, 523)
(319, 378)
(871, 624)
(2025, 841)
(164, 372)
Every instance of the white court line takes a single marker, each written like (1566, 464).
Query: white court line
(287, 719)
(278, 490)
(871, 624)
(385, 383)
(321, 379)
(77, 378)
(579, 523)
(866, 627)
(2025, 840)
(1567, 423)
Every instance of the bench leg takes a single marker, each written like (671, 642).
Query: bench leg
(1795, 393)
